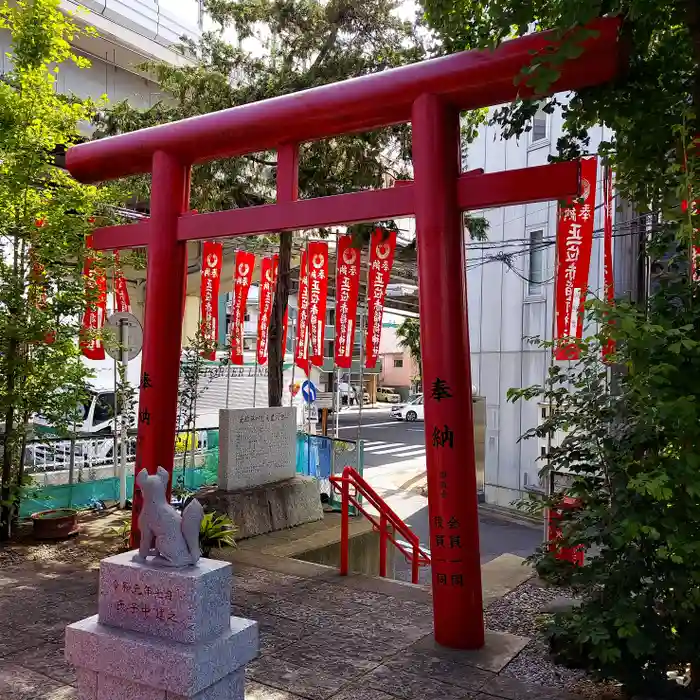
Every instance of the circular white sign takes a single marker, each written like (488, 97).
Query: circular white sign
(134, 339)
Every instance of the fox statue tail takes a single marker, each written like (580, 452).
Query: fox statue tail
(191, 521)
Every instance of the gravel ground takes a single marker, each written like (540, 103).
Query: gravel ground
(521, 612)
(94, 542)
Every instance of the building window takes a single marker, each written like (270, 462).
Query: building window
(246, 317)
(539, 132)
(398, 362)
(535, 276)
(328, 348)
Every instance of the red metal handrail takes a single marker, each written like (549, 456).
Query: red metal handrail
(417, 556)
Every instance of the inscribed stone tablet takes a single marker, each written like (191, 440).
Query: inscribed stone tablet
(257, 446)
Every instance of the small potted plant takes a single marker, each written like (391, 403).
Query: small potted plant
(56, 524)
(216, 531)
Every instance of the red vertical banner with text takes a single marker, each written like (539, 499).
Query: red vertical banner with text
(121, 293)
(317, 262)
(212, 254)
(347, 289)
(268, 282)
(608, 278)
(96, 310)
(574, 246)
(381, 260)
(242, 278)
(301, 356)
(695, 261)
(285, 319)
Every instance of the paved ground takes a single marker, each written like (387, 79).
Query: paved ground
(386, 440)
(322, 637)
(396, 447)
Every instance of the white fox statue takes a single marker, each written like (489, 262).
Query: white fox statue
(176, 536)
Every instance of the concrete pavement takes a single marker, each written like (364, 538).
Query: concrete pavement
(395, 467)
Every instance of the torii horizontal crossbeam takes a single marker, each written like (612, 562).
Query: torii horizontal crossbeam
(481, 191)
(464, 81)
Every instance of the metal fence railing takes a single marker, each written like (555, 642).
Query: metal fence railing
(83, 469)
(321, 457)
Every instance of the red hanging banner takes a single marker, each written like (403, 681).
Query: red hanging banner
(574, 245)
(121, 293)
(268, 282)
(695, 262)
(284, 330)
(242, 278)
(285, 320)
(318, 296)
(347, 290)
(608, 280)
(96, 309)
(301, 356)
(212, 254)
(381, 260)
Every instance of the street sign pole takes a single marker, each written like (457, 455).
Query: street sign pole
(255, 379)
(337, 400)
(124, 342)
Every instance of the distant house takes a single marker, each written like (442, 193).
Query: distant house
(399, 370)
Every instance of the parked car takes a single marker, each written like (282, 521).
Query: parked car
(411, 411)
(386, 394)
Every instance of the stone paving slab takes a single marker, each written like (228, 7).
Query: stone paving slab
(323, 637)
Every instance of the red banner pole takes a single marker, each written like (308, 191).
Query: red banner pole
(165, 305)
(449, 423)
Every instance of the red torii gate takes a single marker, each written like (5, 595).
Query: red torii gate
(430, 95)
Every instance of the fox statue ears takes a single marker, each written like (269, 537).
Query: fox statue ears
(142, 476)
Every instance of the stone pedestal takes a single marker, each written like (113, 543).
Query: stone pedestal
(162, 634)
(266, 508)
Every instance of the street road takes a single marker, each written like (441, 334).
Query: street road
(389, 442)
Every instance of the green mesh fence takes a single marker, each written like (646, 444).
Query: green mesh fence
(317, 456)
(83, 494)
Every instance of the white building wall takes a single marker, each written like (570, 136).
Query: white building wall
(502, 311)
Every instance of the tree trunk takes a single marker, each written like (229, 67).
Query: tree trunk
(276, 343)
(6, 505)
(20, 473)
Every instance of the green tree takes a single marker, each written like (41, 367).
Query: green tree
(652, 107)
(44, 218)
(633, 453)
(285, 46)
(409, 339)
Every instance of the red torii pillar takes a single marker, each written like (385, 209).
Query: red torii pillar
(430, 95)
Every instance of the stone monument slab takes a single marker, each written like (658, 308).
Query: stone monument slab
(185, 605)
(257, 446)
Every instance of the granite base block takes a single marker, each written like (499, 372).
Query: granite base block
(111, 688)
(266, 508)
(232, 687)
(104, 687)
(184, 605)
(182, 669)
(87, 684)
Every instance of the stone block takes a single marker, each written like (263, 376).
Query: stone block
(87, 684)
(232, 687)
(257, 446)
(111, 688)
(163, 664)
(185, 605)
(267, 508)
